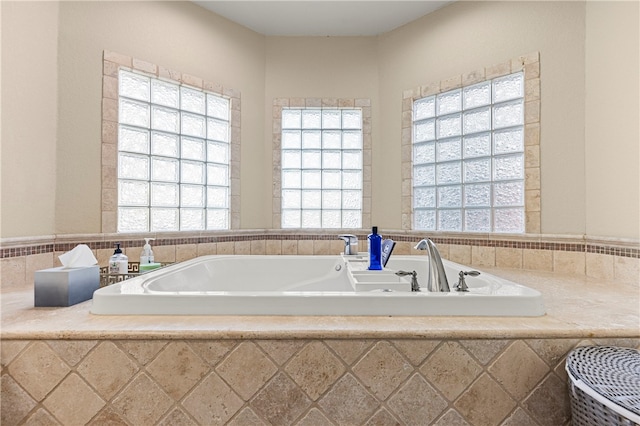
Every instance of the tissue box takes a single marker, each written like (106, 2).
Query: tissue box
(65, 286)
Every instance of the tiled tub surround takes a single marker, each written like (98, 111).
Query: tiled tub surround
(609, 259)
(66, 366)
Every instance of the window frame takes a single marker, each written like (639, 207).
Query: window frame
(279, 104)
(529, 65)
(112, 63)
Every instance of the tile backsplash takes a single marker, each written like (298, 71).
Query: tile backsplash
(288, 382)
(605, 259)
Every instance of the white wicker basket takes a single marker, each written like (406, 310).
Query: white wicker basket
(604, 384)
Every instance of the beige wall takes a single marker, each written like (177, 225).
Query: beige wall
(612, 138)
(60, 193)
(318, 67)
(469, 35)
(178, 35)
(29, 118)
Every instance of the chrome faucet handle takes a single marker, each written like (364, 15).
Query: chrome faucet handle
(350, 243)
(414, 279)
(462, 285)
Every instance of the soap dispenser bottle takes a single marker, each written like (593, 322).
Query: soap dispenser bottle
(375, 243)
(147, 254)
(119, 262)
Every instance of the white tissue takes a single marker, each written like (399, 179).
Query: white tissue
(81, 255)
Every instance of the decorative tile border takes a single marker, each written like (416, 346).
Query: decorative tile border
(112, 62)
(530, 66)
(96, 242)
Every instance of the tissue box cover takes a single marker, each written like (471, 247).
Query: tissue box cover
(65, 286)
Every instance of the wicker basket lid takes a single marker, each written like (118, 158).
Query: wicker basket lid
(612, 372)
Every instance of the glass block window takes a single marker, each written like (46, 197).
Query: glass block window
(173, 156)
(468, 158)
(321, 168)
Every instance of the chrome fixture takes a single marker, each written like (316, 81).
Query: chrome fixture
(414, 279)
(350, 243)
(462, 285)
(437, 278)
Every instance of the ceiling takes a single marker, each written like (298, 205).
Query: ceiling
(322, 17)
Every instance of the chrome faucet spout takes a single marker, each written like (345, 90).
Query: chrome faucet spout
(350, 243)
(437, 281)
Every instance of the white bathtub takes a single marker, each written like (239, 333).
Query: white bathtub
(309, 285)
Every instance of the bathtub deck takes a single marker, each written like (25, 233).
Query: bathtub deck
(577, 307)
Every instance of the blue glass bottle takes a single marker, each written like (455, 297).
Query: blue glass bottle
(375, 243)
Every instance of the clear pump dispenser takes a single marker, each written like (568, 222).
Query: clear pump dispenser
(147, 254)
(119, 262)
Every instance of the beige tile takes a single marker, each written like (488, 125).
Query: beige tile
(383, 418)
(450, 369)
(212, 351)
(226, 248)
(107, 417)
(281, 350)
(519, 418)
(416, 350)
(41, 418)
(108, 369)
(246, 417)
(73, 402)
(569, 262)
(305, 247)
(289, 247)
(537, 260)
(16, 403)
(322, 247)
(9, 349)
(177, 417)
(142, 350)
(552, 351)
(451, 418)
(626, 269)
(117, 58)
(141, 65)
(314, 369)
(600, 266)
(497, 70)
(281, 401)
(532, 200)
(360, 407)
(349, 350)
(484, 393)
(549, 404)
(460, 254)
(207, 249)
(143, 402)
(258, 247)
(246, 369)
(242, 247)
(72, 351)
(382, 369)
(177, 369)
(518, 369)
(273, 247)
(509, 257)
(212, 402)
(163, 254)
(484, 350)
(185, 252)
(417, 402)
(13, 273)
(315, 418)
(483, 256)
(38, 357)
